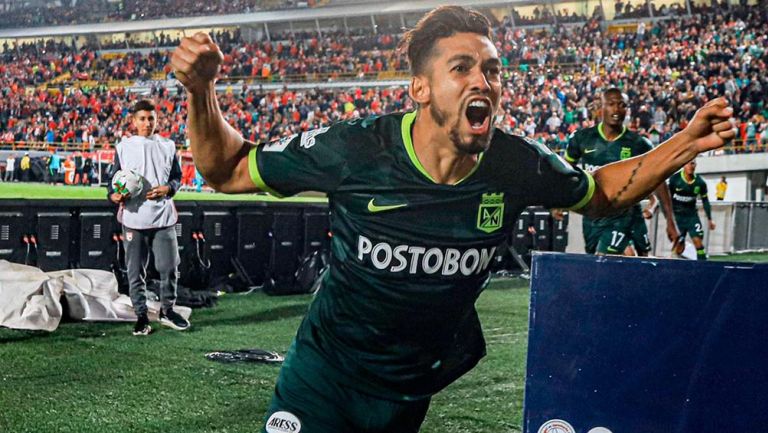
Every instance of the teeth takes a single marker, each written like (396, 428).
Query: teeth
(478, 103)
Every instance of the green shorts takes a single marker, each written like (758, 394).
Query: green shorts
(689, 224)
(612, 240)
(606, 236)
(590, 240)
(308, 400)
(639, 235)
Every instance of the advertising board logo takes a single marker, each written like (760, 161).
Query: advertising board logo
(556, 426)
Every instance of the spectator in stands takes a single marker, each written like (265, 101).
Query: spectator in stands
(659, 118)
(10, 166)
(149, 218)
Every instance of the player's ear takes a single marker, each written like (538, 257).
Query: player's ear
(419, 89)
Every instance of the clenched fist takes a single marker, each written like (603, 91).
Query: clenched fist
(196, 62)
(711, 127)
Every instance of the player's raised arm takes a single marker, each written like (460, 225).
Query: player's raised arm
(623, 183)
(220, 152)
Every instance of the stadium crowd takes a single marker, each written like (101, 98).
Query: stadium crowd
(96, 11)
(551, 74)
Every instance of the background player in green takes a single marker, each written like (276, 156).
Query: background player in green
(686, 187)
(603, 144)
(419, 203)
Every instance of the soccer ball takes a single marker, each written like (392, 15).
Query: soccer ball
(127, 182)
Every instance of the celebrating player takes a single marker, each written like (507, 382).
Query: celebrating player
(419, 203)
(608, 142)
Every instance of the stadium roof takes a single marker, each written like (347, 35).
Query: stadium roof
(248, 18)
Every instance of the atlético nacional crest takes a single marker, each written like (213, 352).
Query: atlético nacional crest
(626, 153)
(490, 214)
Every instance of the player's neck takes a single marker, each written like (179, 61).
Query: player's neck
(610, 133)
(437, 154)
(688, 178)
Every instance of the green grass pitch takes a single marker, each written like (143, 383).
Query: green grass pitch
(18, 190)
(97, 377)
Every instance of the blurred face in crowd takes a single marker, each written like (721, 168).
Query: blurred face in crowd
(461, 88)
(145, 122)
(614, 109)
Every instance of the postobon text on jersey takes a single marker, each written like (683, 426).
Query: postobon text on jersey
(418, 259)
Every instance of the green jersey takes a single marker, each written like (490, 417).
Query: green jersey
(409, 256)
(590, 147)
(591, 150)
(684, 194)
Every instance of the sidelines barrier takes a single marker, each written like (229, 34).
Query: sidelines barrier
(646, 345)
(267, 239)
(533, 230)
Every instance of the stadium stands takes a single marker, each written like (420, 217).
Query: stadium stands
(57, 96)
(28, 14)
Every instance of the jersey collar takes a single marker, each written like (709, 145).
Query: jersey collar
(602, 135)
(406, 127)
(682, 176)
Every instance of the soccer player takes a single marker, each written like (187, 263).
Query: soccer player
(149, 218)
(419, 203)
(608, 142)
(686, 186)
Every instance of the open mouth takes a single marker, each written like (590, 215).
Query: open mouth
(478, 114)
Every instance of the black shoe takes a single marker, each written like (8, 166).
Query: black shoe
(174, 320)
(142, 325)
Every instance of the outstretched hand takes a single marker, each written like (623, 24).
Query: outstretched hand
(711, 126)
(197, 61)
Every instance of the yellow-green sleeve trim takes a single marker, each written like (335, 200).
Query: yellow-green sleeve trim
(253, 170)
(405, 129)
(588, 196)
(569, 158)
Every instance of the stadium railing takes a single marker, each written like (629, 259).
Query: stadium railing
(65, 80)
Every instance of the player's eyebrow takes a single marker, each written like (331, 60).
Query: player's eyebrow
(462, 58)
(471, 60)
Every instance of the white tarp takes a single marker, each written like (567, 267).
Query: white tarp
(31, 298)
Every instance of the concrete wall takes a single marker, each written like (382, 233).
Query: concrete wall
(746, 175)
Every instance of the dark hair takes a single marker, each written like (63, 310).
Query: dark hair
(442, 22)
(615, 90)
(143, 105)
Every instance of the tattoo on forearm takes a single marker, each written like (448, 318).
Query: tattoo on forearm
(615, 200)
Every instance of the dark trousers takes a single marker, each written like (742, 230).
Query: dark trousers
(307, 395)
(163, 244)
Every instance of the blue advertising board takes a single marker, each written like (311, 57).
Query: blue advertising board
(637, 345)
